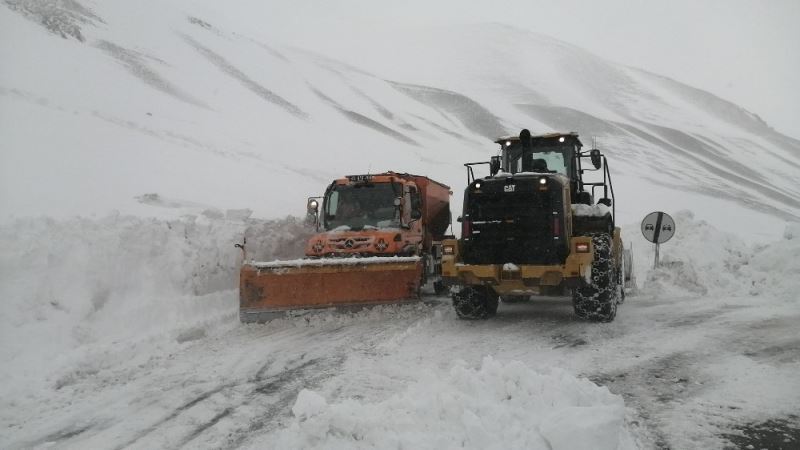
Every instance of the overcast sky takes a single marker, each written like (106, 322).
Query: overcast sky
(746, 51)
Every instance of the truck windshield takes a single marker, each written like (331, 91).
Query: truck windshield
(359, 206)
(555, 158)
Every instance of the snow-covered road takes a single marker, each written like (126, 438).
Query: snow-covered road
(690, 371)
(122, 333)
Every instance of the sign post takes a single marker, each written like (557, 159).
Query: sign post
(658, 227)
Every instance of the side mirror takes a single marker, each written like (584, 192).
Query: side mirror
(494, 165)
(313, 206)
(595, 157)
(312, 212)
(525, 139)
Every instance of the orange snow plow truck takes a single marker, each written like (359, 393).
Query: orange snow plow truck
(378, 241)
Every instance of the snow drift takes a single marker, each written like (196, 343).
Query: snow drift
(494, 406)
(76, 287)
(702, 260)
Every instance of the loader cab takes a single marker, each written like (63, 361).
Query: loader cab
(549, 153)
(558, 153)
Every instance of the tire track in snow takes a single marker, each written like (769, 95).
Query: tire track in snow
(218, 392)
(172, 416)
(286, 386)
(271, 394)
(651, 385)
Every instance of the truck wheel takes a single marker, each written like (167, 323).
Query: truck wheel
(439, 288)
(598, 301)
(515, 298)
(478, 302)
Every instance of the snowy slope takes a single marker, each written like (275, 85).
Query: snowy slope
(102, 111)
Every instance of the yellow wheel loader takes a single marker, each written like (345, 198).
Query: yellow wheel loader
(535, 227)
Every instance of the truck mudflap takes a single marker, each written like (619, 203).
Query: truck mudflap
(268, 290)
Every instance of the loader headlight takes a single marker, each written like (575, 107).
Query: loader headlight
(542, 180)
(582, 247)
(561, 139)
(448, 250)
(477, 185)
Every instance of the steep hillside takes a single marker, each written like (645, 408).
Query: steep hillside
(108, 104)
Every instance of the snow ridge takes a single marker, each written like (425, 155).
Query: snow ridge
(495, 406)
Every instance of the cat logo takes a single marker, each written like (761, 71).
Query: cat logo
(509, 188)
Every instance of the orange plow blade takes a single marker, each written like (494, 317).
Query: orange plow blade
(270, 290)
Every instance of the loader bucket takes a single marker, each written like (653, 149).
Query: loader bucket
(273, 289)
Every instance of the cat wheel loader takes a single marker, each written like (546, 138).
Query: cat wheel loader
(536, 227)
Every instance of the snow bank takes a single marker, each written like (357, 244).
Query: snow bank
(73, 289)
(702, 260)
(494, 406)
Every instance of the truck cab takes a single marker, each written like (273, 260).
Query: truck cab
(387, 214)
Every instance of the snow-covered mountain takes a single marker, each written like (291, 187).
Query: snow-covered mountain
(108, 104)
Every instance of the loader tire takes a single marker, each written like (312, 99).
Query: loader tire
(598, 301)
(475, 302)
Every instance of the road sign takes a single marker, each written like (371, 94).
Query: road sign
(658, 227)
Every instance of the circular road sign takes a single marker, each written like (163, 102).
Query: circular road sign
(658, 227)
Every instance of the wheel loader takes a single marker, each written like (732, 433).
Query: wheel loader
(378, 241)
(536, 227)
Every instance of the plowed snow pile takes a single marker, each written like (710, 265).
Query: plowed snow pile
(496, 406)
(701, 260)
(75, 288)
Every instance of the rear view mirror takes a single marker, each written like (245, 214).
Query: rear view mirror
(312, 212)
(525, 139)
(313, 206)
(595, 156)
(494, 165)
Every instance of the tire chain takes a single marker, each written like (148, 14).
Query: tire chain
(590, 305)
(470, 305)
